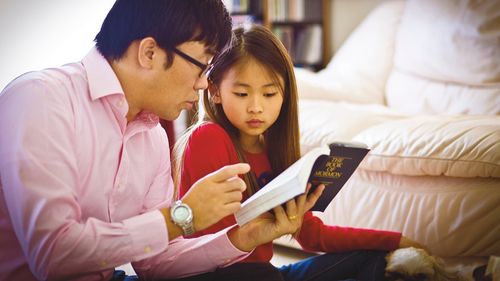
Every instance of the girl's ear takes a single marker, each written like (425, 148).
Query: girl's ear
(214, 93)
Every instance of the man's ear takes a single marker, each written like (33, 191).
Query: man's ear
(147, 50)
(214, 92)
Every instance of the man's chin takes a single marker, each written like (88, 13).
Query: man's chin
(171, 116)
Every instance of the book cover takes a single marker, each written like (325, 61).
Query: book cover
(331, 165)
(334, 170)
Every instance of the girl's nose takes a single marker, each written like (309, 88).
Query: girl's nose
(255, 106)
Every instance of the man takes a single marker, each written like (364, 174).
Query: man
(84, 166)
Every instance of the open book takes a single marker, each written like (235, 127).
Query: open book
(331, 165)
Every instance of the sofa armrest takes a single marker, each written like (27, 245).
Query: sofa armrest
(455, 146)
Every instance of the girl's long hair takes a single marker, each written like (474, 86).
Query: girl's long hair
(282, 138)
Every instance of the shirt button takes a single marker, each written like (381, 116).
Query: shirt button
(227, 261)
(104, 264)
(147, 250)
(120, 102)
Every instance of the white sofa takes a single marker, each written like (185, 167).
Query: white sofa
(418, 81)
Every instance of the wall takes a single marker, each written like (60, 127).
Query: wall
(345, 17)
(39, 34)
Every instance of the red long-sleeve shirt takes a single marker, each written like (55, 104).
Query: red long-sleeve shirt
(210, 148)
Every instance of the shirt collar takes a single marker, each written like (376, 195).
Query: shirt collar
(103, 82)
(150, 119)
(101, 77)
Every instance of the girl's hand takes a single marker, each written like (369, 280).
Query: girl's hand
(296, 208)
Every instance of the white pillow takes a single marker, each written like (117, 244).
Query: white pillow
(451, 40)
(414, 94)
(447, 58)
(358, 72)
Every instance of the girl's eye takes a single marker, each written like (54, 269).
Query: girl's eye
(268, 95)
(240, 94)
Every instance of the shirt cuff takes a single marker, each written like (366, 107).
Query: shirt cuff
(223, 252)
(148, 233)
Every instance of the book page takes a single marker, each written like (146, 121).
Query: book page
(284, 187)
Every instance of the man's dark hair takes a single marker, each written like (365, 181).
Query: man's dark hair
(169, 22)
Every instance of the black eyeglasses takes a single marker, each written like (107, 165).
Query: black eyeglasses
(205, 68)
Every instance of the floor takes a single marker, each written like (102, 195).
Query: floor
(282, 256)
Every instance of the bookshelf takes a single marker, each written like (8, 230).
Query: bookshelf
(302, 25)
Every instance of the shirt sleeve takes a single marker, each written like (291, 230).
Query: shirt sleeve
(183, 257)
(187, 257)
(316, 236)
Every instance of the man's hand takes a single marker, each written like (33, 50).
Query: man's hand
(216, 195)
(268, 226)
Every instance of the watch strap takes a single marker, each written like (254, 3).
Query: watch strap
(188, 229)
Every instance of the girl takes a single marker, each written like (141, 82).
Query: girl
(251, 116)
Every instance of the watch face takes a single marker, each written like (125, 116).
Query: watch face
(181, 213)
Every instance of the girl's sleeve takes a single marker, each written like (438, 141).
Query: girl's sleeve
(209, 148)
(316, 236)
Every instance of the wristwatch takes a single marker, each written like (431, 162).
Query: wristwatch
(182, 216)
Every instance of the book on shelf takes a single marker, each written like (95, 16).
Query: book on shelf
(313, 10)
(309, 45)
(286, 36)
(331, 165)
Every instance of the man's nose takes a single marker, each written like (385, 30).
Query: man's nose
(201, 83)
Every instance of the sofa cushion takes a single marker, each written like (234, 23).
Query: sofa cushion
(323, 121)
(358, 72)
(456, 146)
(447, 52)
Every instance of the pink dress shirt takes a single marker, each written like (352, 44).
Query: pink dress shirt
(80, 187)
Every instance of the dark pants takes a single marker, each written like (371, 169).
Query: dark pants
(235, 272)
(240, 272)
(119, 275)
(357, 265)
